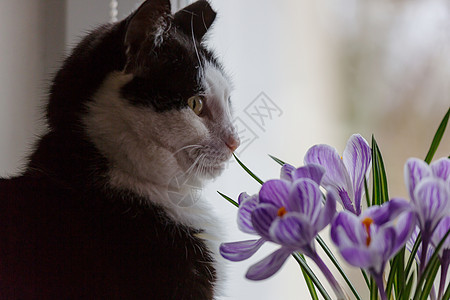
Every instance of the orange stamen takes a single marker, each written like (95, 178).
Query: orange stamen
(367, 222)
(282, 211)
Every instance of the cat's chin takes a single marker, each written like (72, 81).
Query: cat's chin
(207, 171)
(212, 172)
(202, 165)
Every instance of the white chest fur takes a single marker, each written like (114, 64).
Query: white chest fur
(142, 147)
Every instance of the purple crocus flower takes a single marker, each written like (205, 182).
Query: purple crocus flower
(429, 190)
(444, 254)
(238, 251)
(368, 241)
(288, 212)
(344, 174)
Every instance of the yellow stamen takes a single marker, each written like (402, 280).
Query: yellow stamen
(367, 222)
(282, 211)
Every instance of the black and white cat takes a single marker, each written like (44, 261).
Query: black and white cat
(137, 104)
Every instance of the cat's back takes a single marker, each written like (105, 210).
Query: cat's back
(54, 240)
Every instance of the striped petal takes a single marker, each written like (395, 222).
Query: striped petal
(268, 266)
(262, 218)
(347, 230)
(312, 171)
(336, 175)
(415, 171)
(404, 227)
(287, 172)
(440, 232)
(357, 159)
(238, 251)
(305, 198)
(327, 213)
(432, 203)
(243, 197)
(275, 192)
(382, 247)
(358, 256)
(441, 168)
(246, 208)
(293, 231)
(388, 211)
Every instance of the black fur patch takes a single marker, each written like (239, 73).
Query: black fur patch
(62, 243)
(171, 75)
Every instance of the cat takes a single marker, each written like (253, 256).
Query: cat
(137, 104)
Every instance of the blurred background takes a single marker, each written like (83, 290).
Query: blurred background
(305, 72)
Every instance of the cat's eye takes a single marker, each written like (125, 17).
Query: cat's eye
(196, 104)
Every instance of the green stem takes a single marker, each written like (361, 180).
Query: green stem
(366, 279)
(447, 293)
(302, 262)
(444, 269)
(373, 289)
(337, 265)
(437, 137)
(248, 170)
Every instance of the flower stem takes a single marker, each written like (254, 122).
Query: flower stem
(432, 294)
(379, 281)
(423, 256)
(328, 275)
(444, 269)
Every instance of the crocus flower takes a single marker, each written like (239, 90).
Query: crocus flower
(238, 251)
(429, 190)
(444, 254)
(344, 174)
(288, 212)
(368, 241)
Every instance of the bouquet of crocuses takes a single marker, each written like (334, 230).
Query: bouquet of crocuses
(383, 239)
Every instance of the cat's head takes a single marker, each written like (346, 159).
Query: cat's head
(149, 95)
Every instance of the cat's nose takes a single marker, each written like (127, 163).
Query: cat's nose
(233, 143)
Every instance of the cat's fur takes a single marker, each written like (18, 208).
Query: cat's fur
(90, 217)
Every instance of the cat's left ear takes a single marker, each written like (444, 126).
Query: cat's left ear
(195, 19)
(150, 19)
(148, 25)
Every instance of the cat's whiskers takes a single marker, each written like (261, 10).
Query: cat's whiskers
(192, 167)
(202, 170)
(194, 147)
(199, 170)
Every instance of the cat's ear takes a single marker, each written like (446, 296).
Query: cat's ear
(195, 19)
(148, 24)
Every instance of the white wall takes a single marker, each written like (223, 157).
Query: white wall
(31, 44)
